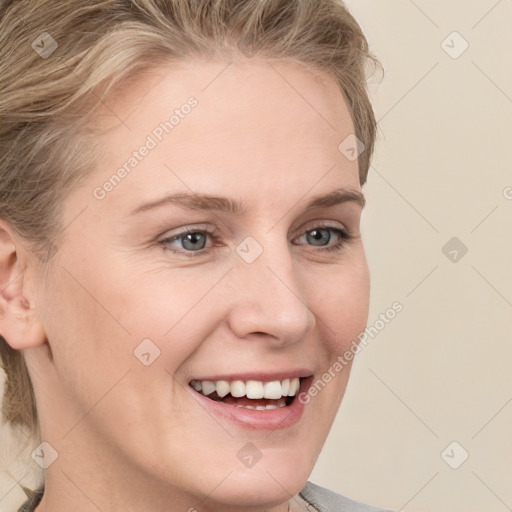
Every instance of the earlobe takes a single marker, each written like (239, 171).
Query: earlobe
(19, 323)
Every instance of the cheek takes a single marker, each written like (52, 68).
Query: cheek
(177, 308)
(85, 346)
(343, 304)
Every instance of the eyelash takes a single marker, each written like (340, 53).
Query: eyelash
(344, 234)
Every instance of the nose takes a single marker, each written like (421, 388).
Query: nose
(270, 299)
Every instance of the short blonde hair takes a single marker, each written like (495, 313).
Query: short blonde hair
(50, 85)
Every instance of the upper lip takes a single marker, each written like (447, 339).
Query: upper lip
(263, 376)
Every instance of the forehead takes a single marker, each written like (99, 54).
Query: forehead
(252, 82)
(245, 93)
(253, 124)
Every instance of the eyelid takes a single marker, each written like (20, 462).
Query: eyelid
(173, 233)
(318, 223)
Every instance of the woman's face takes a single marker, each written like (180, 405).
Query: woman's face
(265, 288)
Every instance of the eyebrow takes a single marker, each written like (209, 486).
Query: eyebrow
(207, 202)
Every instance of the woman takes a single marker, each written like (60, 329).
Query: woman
(180, 254)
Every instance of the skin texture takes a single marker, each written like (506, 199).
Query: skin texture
(132, 437)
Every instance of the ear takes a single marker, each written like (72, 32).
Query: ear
(19, 324)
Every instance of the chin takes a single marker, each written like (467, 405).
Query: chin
(269, 482)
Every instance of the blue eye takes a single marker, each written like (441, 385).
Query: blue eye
(193, 242)
(321, 234)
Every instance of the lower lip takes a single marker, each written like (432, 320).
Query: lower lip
(269, 419)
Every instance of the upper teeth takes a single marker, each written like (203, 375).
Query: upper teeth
(251, 388)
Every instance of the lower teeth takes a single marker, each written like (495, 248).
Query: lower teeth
(229, 400)
(260, 407)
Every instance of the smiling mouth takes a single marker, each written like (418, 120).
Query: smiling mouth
(250, 394)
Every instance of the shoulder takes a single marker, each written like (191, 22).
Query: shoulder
(325, 500)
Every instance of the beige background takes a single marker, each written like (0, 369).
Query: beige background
(439, 372)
